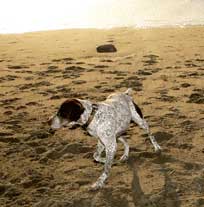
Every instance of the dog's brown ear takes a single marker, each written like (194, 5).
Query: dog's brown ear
(71, 109)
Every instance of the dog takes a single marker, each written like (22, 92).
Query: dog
(107, 121)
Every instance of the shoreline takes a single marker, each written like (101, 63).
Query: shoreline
(111, 28)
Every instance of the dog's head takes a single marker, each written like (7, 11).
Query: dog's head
(69, 111)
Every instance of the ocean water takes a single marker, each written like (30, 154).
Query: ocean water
(35, 15)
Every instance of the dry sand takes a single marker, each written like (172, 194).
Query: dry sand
(38, 71)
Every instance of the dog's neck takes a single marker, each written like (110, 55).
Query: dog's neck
(87, 112)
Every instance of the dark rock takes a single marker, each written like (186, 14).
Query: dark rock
(106, 48)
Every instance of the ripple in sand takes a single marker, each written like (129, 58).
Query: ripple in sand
(8, 78)
(197, 97)
(62, 59)
(52, 67)
(185, 85)
(152, 59)
(6, 102)
(145, 73)
(130, 82)
(17, 67)
(101, 66)
(107, 61)
(78, 81)
(35, 85)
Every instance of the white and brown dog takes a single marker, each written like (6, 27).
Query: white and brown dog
(106, 121)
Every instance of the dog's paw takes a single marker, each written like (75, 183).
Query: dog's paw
(97, 185)
(158, 150)
(124, 158)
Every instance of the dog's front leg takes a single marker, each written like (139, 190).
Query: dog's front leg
(97, 154)
(110, 148)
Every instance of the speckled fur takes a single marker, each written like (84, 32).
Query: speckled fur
(110, 121)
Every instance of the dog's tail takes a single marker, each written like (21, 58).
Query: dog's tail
(129, 91)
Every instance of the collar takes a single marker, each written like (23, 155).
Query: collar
(91, 116)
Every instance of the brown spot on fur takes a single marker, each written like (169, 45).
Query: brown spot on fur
(71, 109)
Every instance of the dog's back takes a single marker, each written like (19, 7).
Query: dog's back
(114, 114)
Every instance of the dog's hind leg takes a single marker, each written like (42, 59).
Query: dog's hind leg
(125, 155)
(151, 137)
(110, 148)
(137, 117)
(97, 155)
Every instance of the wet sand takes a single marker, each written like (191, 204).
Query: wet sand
(165, 68)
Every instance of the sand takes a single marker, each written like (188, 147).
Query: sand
(38, 71)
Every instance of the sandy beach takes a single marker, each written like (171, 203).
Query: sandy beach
(38, 71)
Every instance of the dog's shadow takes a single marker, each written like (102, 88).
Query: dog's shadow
(167, 196)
